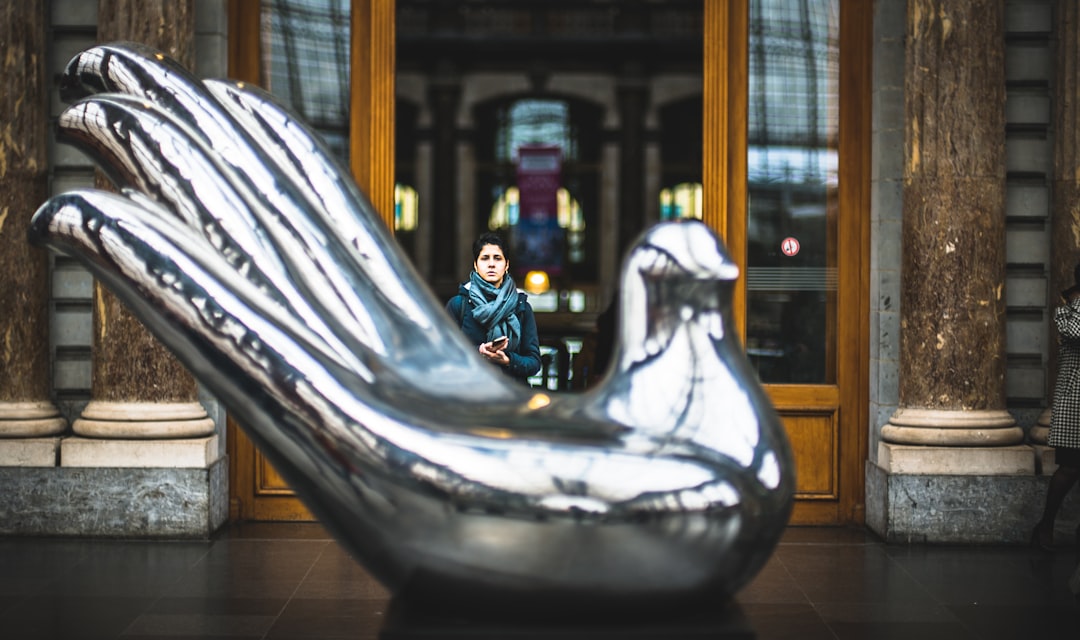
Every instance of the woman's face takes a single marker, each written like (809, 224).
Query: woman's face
(491, 264)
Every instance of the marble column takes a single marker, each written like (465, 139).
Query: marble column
(444, 97)
(952, 364)
(26, 411)
(138, 388)
(633, 100)
(1065, 191)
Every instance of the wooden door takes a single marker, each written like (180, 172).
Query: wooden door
(256, 490)
(827, 421)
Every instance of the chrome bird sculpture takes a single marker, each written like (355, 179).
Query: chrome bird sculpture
(247, 250)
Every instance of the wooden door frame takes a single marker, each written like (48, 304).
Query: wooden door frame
(371, 160)
(372, 96)
(853, 283)
(245, 58)
(724, 178)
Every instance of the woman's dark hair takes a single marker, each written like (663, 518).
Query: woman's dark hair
(486, 239)
(1076, 275)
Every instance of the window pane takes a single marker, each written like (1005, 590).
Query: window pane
(306, 63)
(792, 174)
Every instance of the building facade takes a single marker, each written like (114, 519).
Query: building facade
(919, 153)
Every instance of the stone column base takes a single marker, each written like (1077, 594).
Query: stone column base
(1041, 429)
(29, 452)
(907, 508)
(952, 461)
(143, 420)
(952, 428)
(162, 503)
(30, 420)
(198, 453)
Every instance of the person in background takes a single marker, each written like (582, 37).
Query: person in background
(1064, 414)
(494, 315)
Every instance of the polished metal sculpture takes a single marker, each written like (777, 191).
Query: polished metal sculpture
(248, 251)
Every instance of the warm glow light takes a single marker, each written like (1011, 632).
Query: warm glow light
(492, 432)
(406, 208)
(682, 201)
(537, 282)
(504, 213)
(539, 401)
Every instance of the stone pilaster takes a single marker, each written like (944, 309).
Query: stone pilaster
(445, 98)
(952, 364)
(1065, 192)
(633, 97)
(138, 388)
(28, 418)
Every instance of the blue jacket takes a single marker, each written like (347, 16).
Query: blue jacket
(525, 360)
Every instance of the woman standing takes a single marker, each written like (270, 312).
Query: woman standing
(494, 315)
(1064, 414)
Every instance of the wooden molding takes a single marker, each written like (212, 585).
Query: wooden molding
(245, 44)
(853, 284)
(724, 109)
(371, 115)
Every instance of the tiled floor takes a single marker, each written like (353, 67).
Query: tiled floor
(293, 581)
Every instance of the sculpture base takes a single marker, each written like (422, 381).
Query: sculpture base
(722, 622)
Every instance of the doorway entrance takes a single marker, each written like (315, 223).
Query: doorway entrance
(776, 162)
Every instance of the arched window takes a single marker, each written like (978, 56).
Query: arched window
(530, 121)
(538, 182)
(506, 212)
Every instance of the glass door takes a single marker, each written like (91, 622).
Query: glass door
(792, 168)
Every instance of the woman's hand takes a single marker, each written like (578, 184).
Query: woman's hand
(493, 354)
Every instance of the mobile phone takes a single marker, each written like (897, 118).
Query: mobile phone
(499, 343)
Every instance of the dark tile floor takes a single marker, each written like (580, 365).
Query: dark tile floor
(279, 581)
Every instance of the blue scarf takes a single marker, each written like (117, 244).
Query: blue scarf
(494, 308)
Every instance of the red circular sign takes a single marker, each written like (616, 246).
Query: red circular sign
(790, 246)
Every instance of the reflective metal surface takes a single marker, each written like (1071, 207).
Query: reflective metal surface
(242, 245)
